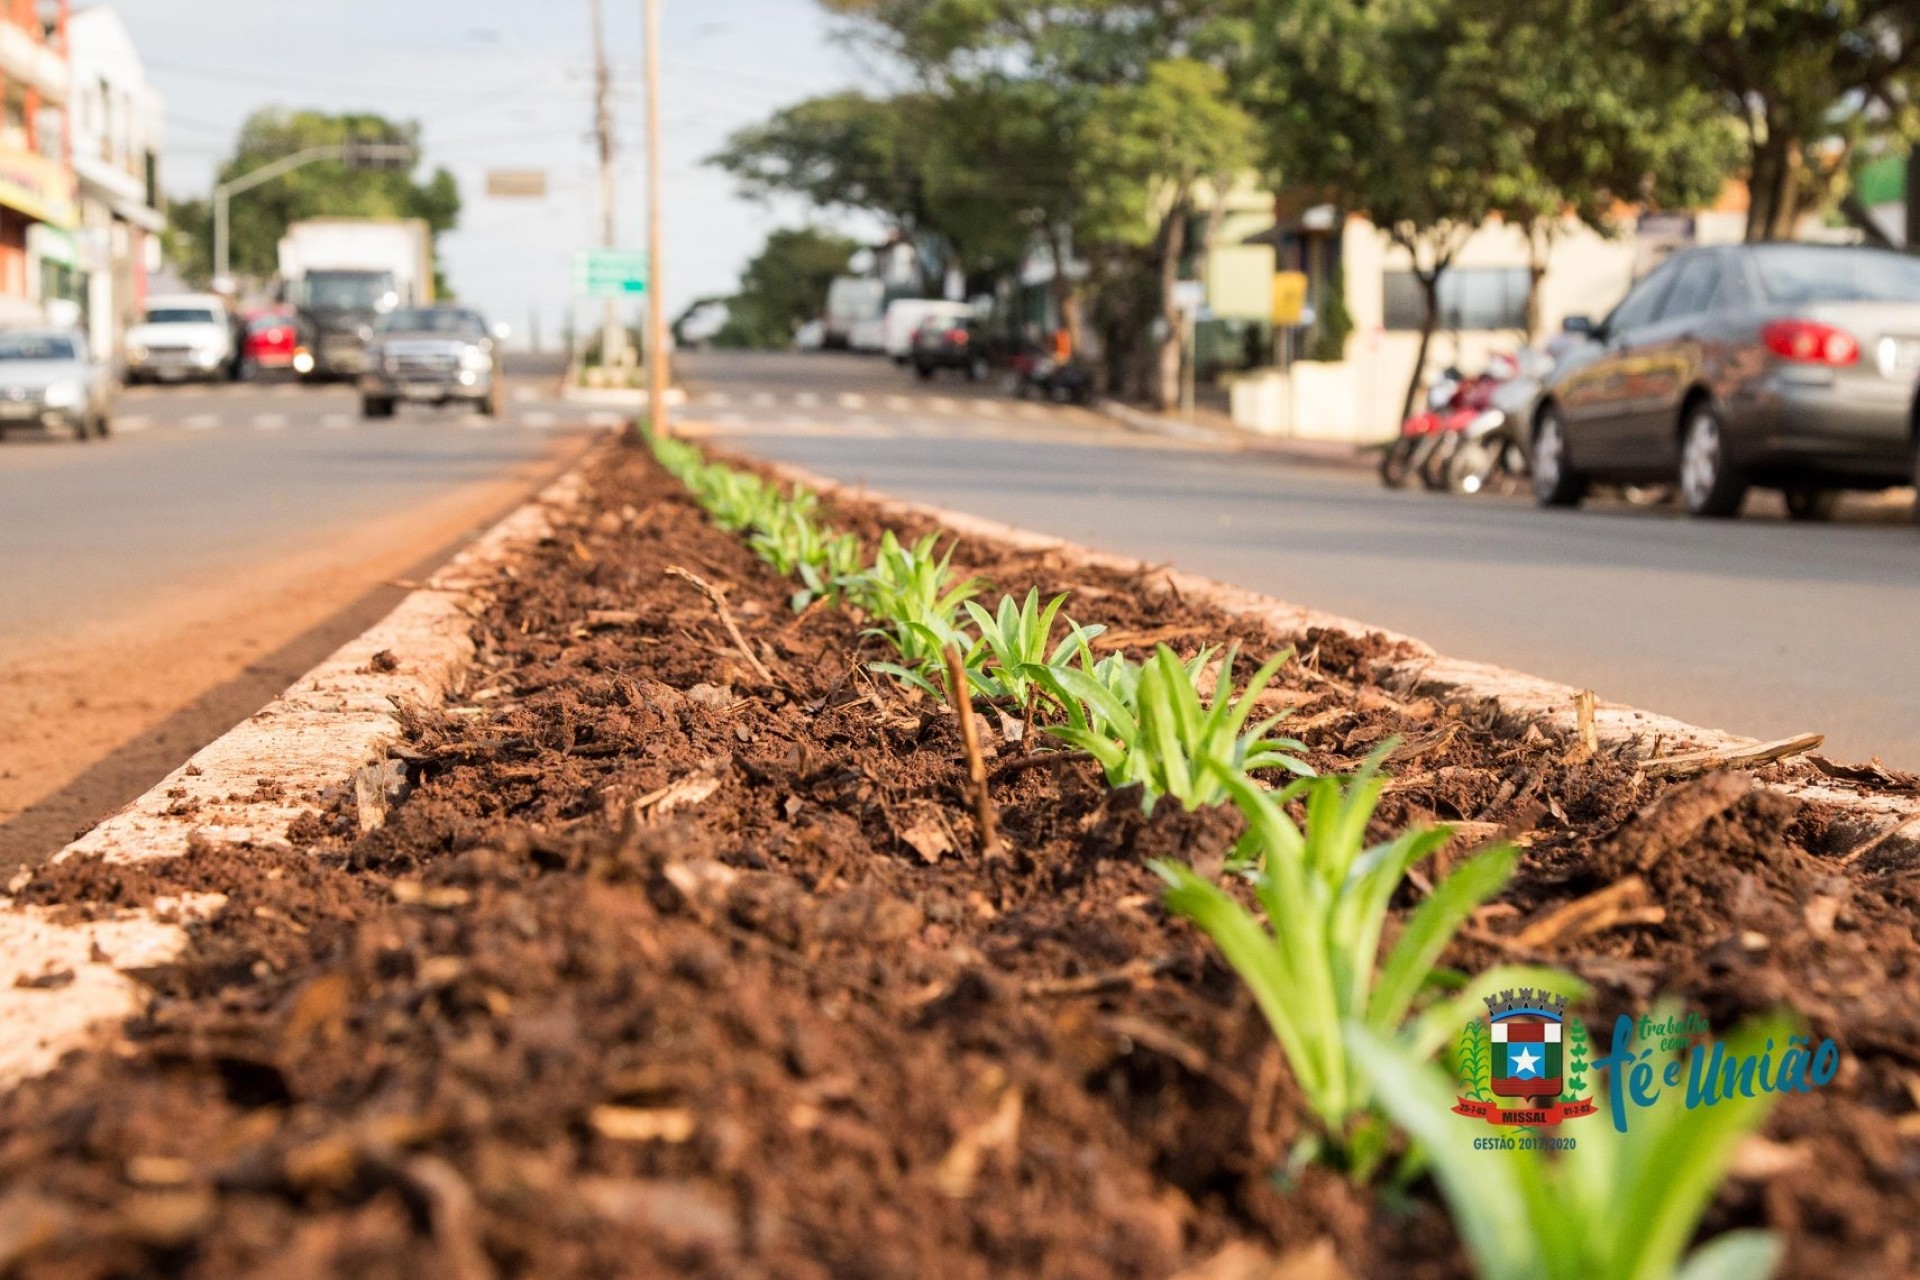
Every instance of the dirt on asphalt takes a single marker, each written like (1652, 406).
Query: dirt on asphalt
(666, 969)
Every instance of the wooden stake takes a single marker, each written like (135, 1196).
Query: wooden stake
(976, 763)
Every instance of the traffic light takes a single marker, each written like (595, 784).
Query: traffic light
(384, 157)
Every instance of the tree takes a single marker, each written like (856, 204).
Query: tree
(784, 287)
(325, 188)
(1795, 74)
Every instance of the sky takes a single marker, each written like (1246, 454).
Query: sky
(508, 84)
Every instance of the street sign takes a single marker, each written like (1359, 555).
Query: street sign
(517, 182)
(609, 273)
(1289, 298)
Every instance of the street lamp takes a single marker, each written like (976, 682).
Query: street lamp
(358, 155)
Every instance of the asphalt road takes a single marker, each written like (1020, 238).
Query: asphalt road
(1757, 626)
(198, 480)
(159, 586)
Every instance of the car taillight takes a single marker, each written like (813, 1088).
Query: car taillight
(958, 337)
(1811, 342)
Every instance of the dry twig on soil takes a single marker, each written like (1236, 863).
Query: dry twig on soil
(726, 619)
(1685, 766)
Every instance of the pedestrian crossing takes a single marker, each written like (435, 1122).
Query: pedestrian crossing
(271, 423)
(702, 401)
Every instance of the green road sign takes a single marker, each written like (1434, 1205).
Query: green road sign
(609, 273)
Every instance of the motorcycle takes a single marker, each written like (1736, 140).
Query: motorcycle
(1492, 448)
(1429, 435)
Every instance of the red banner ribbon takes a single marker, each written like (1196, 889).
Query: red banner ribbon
(1533, 1116)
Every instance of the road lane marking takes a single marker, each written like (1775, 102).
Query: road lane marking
(900, 403)
(476, 422)
(763, 400)
(986, 409)
(132, 422)
(605, 418)
(538, 418)
(807, 400)
(202, 421)
(940, 404)
(522, 395)
(715, 398)
(852, 400)
(337, 421)
(269, 421)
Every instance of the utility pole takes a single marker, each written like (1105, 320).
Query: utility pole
(613, 337)
(656, 298)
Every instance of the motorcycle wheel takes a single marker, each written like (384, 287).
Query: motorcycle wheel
(1396, 464)
(1471, 468)
(1433, 466)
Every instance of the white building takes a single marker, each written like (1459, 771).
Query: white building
(116, 125)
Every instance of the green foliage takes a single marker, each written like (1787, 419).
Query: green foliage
(784, 287)
(1149, 725)
(915, 596)
(795, 545)
(1473, 1062)
(1578, 1061)
(1016, 638)
(325, 188)
(1618, 1206)
(1316, 964)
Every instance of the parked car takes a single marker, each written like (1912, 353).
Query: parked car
(432, 355)
(944, 342)
(906, 316)
(1790, 366)
(269, 343)
(183, 336)
(48, 378)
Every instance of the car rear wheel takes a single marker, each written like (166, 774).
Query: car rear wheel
(1809, 502)
(1710, 484)
(978, 369)
(925, 372)
(376, 407)
(1555, 483)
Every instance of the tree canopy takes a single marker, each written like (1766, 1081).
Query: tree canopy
(325, 188)
(783, 287)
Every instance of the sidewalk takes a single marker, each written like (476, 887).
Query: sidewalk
(1210, 426)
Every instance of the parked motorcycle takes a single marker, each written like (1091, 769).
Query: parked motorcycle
(1492, 448)
(1426, 436)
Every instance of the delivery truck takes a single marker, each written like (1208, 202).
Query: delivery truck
(343, 274)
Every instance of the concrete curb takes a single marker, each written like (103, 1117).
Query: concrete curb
(1890, 824)
(331, 729)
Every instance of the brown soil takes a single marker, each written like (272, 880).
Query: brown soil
(661, 970)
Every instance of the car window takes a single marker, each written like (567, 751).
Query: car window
(181, 315)
(1795, 274)
(35, 346)
(1642, 303)
(1693, 288)
(431, 320)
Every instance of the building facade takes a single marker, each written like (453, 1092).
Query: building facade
(116, 127)
(38, 212)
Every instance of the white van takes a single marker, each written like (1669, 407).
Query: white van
(905, 316)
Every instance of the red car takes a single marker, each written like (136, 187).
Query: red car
(270, 342)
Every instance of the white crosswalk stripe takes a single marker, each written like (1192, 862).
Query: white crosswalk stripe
(807, 400)
(604, 418)
(986, 408)
(131, 423)
(899, 403)
(763, 400)
(269, 421)
(851, 400)
(940, 404)
(202, 422)
(337, 421)
(538, 418)
(716, 398)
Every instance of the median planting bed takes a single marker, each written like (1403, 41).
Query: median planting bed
(710, 939)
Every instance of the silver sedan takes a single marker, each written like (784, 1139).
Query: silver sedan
(48, 378)
(1789, 366)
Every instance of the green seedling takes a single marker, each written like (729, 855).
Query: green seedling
(1149, 725)
(794, 544)
(1315, 965)
(1617, 1206)
(913, 595)
(1015, 638)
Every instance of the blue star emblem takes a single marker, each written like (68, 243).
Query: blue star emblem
(1525, 1064)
